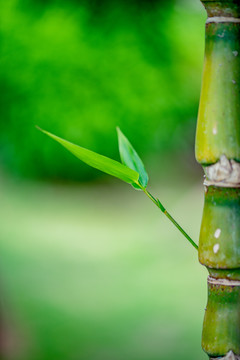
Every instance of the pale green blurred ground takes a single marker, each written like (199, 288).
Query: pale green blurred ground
(96, 272)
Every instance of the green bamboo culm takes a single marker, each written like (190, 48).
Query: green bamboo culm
(218, 151)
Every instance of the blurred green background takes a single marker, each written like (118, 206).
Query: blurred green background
(89, 268)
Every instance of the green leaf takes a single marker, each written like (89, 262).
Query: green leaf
(98, 161)
(130, 158)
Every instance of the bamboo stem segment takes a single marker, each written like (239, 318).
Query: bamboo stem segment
(218, 151)
(221, 330)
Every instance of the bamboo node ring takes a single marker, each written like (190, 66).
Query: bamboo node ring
(222, 19)
(225, 282)
(224, 173)
(230, 356)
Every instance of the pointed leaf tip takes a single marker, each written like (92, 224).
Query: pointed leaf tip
(130, 158)
(98, 161)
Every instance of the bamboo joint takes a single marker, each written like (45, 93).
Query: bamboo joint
(218, 151)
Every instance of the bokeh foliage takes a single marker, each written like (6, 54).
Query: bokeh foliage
(80, 68)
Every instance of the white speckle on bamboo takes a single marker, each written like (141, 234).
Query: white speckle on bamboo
(217, 233)
(214, 130)
(235, 53)
(234, 81)
(216, 248)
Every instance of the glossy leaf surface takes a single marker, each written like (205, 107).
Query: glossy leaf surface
(98, 161)
(130, 158)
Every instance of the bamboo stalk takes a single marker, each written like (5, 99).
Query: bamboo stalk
(218, 151)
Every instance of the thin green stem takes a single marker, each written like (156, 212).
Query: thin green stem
(162, 208)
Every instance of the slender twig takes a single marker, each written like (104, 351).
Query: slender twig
(162, 208)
